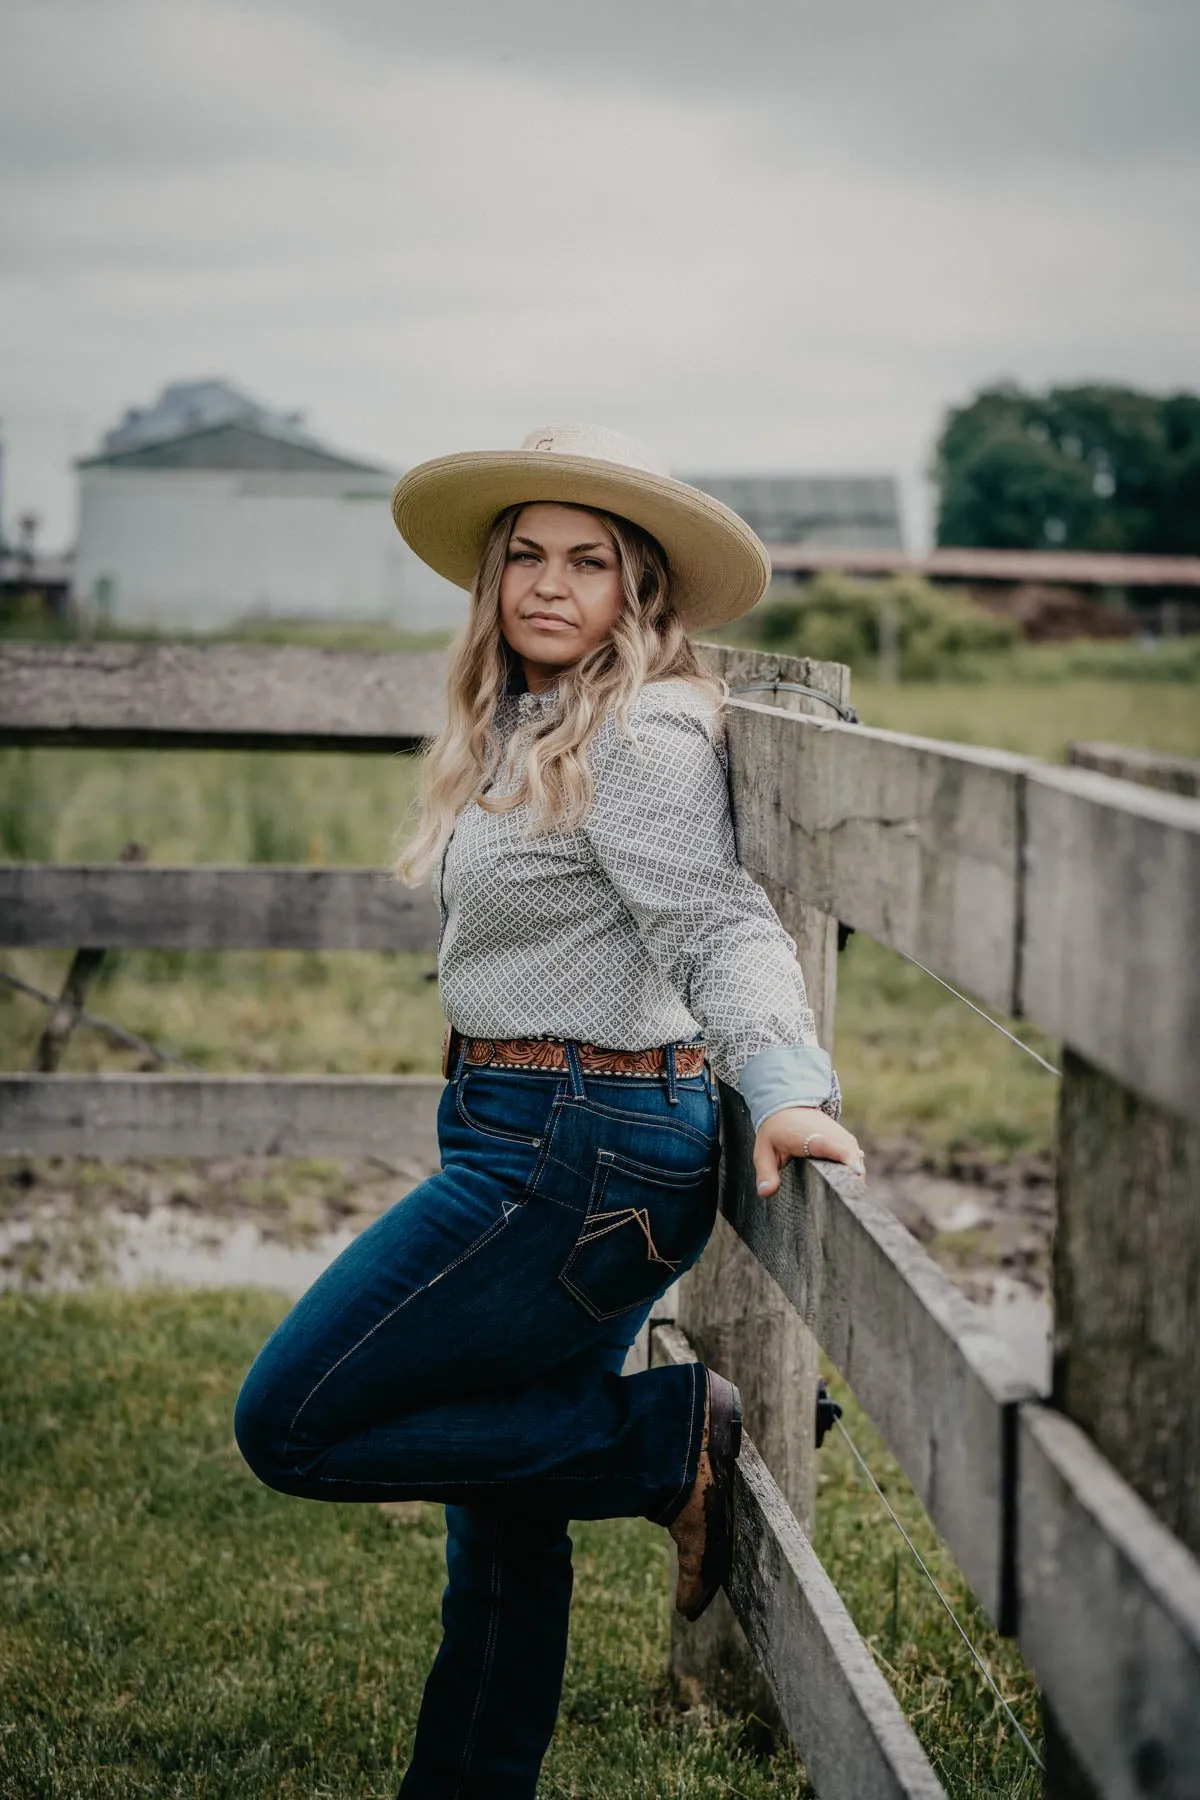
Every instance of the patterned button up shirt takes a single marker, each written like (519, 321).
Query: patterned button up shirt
(637, 928)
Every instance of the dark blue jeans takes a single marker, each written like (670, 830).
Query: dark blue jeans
(467, 1348)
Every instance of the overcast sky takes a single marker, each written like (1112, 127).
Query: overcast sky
(762, 235)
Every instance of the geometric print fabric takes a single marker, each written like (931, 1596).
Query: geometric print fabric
(639, 927)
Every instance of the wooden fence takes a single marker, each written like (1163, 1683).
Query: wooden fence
(1064, 896)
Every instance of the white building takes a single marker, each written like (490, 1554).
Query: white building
(208, 508)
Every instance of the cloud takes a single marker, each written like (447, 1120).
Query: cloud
(771, 236)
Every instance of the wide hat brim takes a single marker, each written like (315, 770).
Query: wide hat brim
(444, 510)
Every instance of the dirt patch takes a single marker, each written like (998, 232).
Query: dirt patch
(70, 1223)
(980, 1223)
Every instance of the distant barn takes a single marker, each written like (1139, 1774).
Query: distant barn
(852, 512)
(208, 508)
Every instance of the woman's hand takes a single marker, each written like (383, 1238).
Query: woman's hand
(801, 1131)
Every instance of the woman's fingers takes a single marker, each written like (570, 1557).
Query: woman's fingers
(798, 1132)
(836, 1145)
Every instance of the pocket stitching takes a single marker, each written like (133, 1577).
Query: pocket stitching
(473, 1124)
(672, 1125)
(606, 1160)
(654, 1172)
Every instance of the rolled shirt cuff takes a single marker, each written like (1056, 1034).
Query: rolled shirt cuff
(788, 1075)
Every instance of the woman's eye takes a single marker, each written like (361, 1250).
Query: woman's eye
(521, 556)
(590, 562)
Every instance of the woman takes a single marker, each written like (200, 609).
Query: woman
(468, 1347)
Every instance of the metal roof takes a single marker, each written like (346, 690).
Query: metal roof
(1065, 568)
(214, 425)
(855, 511)
(231, 447)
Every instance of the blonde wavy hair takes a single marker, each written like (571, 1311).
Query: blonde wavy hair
(548, 755)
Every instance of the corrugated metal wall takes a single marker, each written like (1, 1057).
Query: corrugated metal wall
(202, 549)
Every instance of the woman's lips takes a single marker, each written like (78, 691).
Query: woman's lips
(548, 622)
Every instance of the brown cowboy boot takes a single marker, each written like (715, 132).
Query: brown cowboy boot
(703, 1529)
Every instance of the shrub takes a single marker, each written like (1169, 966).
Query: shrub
(840, 619)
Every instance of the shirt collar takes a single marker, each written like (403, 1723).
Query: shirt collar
(528, 701)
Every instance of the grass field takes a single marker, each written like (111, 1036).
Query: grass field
(169, 1628)
(1037, 716)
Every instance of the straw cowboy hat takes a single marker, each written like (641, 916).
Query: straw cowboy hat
(444, 509)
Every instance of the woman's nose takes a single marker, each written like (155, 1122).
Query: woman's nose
(552, 580)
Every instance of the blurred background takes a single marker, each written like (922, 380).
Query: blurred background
(927, 268)
(914, 289)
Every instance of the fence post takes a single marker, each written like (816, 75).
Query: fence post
(732, 1311)
(1126, 1317)
(1126, 1278)
(85, 966)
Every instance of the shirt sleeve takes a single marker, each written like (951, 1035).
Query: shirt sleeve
(661, 828)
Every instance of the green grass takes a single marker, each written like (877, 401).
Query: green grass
(197, 806)
(1037, 715)
(168, 1627)
(926, 1077)
(30, 625)
(962, 1728)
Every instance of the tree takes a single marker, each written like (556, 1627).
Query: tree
(1073, 468)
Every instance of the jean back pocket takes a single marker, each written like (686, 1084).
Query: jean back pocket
(643, 1227)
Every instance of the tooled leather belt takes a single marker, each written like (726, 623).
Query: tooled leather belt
(551, 1053)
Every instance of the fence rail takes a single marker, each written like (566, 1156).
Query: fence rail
(865, 1287)
(1057, 895)
(1109, 1609)
(1173, 774)
(1067, 896)
(855, 1740)
(268, 907)
(219, 696)
(392, 1117)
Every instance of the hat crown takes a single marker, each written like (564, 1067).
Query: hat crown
(595, 441)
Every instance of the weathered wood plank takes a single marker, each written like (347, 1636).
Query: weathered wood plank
(1064, 896)
(255, 696)
(391, 1117)
(248, 696)
(1151, 768)
(837, 1707)
(938, 1385)
(916, 842)
(1109, 1616)
(213, 907)
(1126, 1287)
(772, 674)
(1126, 1322)
(1112, 955)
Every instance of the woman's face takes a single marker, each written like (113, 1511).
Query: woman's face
(560, 594)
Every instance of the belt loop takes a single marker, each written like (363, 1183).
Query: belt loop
(669, 1070)
(458, 1052)
(578, 1090)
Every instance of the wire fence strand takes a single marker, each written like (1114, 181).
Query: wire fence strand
(994, 1023)
(924, 1568)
